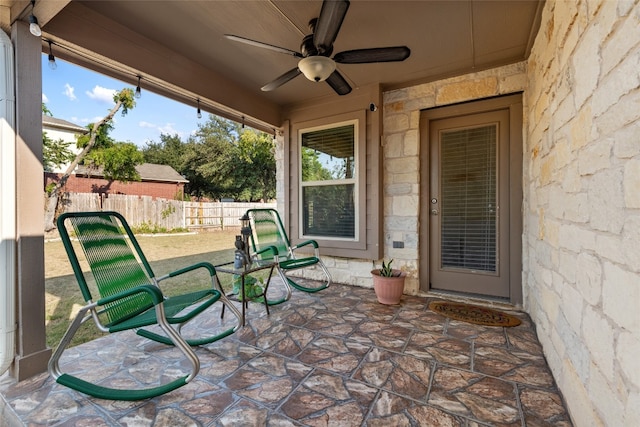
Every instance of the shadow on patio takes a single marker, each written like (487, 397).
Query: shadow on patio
(336, 357)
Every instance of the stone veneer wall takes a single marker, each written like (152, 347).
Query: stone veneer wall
(582, 205)
(401, 152)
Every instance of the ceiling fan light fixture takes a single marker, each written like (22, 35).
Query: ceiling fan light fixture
(317, 68)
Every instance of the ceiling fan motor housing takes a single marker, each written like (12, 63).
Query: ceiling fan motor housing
(307, 48)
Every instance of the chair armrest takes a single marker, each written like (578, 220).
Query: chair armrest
(271, 249)
(205, 265)
(268, 248)
(153, 291)
(316, 250)
(307, 243)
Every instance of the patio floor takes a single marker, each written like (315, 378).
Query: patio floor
(334, 358)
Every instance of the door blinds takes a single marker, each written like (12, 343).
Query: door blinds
(468, 205)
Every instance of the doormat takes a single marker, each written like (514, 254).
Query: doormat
(474, 314)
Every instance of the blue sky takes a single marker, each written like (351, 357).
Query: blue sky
(81, 96)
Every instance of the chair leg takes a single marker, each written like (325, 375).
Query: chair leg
(178, 342)
(299, 287)
(219, 286)
(103, 392)
(226, 303)
(266, 288)
(53, 366)
(287, 285)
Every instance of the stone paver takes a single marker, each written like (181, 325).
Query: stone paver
(336, 357)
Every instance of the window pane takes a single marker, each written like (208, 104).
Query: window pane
(329, 210)
(328, 154)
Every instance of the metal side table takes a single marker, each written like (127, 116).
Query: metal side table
(243, 272)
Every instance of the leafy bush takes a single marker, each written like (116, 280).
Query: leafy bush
(149, 228)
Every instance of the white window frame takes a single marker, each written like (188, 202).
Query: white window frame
(355, 180)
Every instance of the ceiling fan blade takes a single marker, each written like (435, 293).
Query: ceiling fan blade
(376, 54)
(289, 75)
(331, 16)
(263, 45)
(338, 83)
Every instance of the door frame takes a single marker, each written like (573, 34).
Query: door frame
(494, 283)
(513, 103)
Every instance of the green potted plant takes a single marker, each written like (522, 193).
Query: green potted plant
(388, 283)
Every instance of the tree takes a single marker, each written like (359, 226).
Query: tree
(55, 153)
(255, 170)
(207, 164)
(168, 151)
(118, 160)
(312, 168)
(225, 160)
(220, 160)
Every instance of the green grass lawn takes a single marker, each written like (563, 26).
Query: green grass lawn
(165, 254)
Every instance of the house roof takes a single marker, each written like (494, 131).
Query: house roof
(147, 172)
(55, 123)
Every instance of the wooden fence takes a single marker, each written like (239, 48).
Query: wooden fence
(169, 214)
(218, 214)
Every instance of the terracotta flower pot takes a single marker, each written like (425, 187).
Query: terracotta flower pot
(388, 289)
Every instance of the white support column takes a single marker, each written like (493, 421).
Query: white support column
(7, 206)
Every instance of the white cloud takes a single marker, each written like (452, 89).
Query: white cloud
(68, 92)
(44, 98)
(85, 120)
(147, 125)
(101, 94)
(168, 129)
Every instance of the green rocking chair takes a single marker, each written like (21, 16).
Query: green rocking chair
(267, 233)
(129, 297)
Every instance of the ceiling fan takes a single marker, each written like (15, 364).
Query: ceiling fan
(316, 48)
